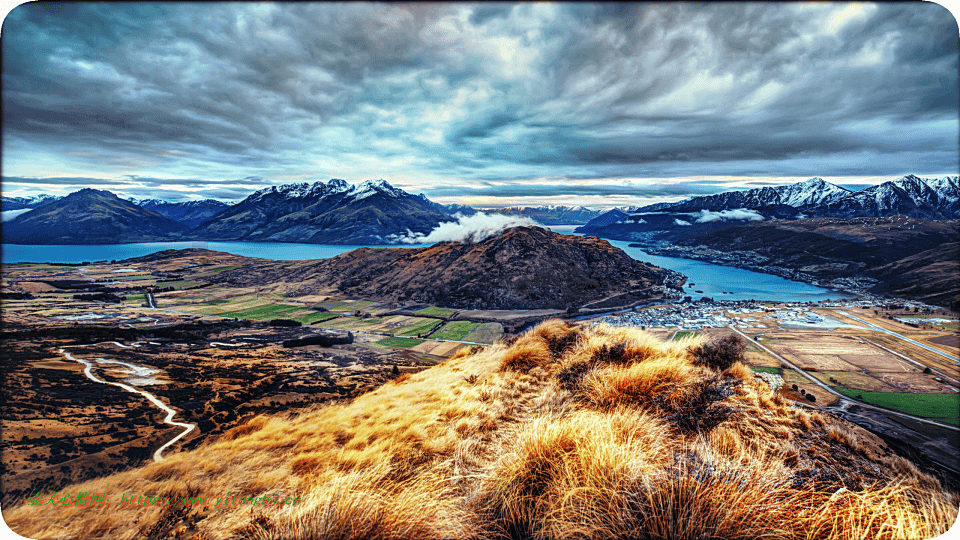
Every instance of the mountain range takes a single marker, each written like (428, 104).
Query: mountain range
(374, 212)
(928, 198)
(324, 213)
(925, 198)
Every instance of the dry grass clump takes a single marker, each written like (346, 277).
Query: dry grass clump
(541, 346)
(587, 433)
(367, 505)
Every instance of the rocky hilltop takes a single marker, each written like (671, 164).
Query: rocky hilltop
(522, 268)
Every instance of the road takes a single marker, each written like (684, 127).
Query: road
(88, 371)
(844, 400)
(905, 338)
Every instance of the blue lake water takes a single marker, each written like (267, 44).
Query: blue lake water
(13, 253)
(712, 279)
(715, 280)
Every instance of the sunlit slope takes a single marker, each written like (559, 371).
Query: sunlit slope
(567, 433)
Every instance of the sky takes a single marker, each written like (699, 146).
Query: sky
(484, 104)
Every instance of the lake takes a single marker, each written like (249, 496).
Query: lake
(714, 280)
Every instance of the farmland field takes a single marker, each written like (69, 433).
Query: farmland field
(454, 331)
(179, 284)
(316, 317)
(401, 343)
(264, 312)
(435, 312)
(763, 369)
(485, 333)
(925, 405)
(344, 305)
(421, 326)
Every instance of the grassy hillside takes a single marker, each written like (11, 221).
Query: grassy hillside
(597, 432)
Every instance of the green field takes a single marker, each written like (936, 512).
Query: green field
(454, 331)
(420, 327)
(684, 334)
(763, 369)
(264, 312)
(342, 305)
(435, 312)
(315, 317)
(135, 299)
(401, 343)
(180, 284)
(485, 333)
(925, 405)
(132, 277)
(350, 323)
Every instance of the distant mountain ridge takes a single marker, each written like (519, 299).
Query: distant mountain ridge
(552, 214)
(190, 213)
(33, 201)
(929, 198)
(90, 216)
(809, 193)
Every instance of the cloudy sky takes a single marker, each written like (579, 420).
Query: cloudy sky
(484, 104)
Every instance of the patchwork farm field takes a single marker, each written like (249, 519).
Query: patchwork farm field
(436, 312)
(865, 365)
(454, 331)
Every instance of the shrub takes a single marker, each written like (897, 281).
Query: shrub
(720, 355)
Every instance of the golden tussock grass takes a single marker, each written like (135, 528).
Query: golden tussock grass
(591, 433)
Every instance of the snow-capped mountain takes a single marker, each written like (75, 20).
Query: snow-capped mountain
(334, 212)
(190, 213)
(33, 201)
(930, 198)
(551, 214)
(813, 192)
(303, 190)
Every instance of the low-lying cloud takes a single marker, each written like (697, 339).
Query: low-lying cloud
(737, 214)
(470, 229)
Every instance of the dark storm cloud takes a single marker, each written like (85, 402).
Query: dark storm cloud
(461, 93)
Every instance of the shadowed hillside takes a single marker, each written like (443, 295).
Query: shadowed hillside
(569, 432)
(89, 216)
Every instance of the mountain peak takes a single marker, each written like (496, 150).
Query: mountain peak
(370, 188)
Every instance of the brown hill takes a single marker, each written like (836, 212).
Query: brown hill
(522, 268)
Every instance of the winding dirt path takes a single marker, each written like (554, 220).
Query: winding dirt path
(88, 371)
